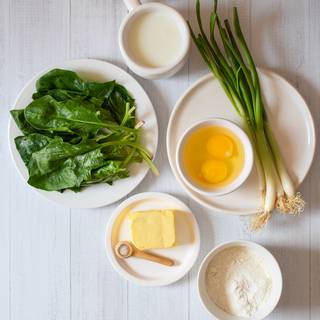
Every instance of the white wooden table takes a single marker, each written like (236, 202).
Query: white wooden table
(53, 264)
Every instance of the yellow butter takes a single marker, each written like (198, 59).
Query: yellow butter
(153, 229)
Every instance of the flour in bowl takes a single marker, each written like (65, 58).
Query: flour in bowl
(237, 281)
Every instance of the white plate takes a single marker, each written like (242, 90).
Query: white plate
(100, 194)
(290, 119)
(184, 253)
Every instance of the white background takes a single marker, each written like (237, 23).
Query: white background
(52, 259)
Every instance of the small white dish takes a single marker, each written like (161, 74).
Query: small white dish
(272, 268)
(248, 157)
(101, 194)
(291, 122)
(184, 253)
(136, 10)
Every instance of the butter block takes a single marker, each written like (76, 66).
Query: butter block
(153, 229)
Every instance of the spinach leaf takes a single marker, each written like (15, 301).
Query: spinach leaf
(27, 145)
(64, 84)
(109, 172)
(71, 116)
(70, 173)
(55, 153)
(117, 104)
(20, 120)
(60, 94)
(60, 79)
(100, 90)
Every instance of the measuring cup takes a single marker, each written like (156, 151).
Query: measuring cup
(136, 10)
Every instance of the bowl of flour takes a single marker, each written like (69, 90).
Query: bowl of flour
(240, 280)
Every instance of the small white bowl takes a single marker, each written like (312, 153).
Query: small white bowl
(135, 10)
(248, 155)
(272, 267)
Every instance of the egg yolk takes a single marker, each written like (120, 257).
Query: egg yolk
(220, 146)
(213, 156)
(214, 171)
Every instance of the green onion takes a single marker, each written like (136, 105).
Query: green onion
(233, 66)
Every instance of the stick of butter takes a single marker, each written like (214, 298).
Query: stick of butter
(153, 229)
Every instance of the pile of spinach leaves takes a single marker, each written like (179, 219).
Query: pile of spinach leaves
(77, 133)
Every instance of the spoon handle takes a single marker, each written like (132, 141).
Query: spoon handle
(153, 257)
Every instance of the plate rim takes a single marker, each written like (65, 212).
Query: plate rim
(109, 250)
(175, 109)
(11, 123)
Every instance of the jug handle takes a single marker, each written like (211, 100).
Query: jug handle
(131, 4)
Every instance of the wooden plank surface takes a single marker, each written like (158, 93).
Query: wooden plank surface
(5, 172)
(39, 282)
(53, 263)
(97, 292)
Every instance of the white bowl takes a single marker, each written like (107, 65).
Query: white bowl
(135, 10)
(248, 155)
(272, 267)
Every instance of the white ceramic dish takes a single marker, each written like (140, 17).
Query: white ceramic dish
(184, 254)
(290, 119)
(272, 267)
(248, 155)
(100, 194)
(136, 9)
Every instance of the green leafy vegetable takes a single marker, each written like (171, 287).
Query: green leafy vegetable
(69, 116)
(23, 125)
(60, 79)
(27, 145)
(77, 133)
(65, 173)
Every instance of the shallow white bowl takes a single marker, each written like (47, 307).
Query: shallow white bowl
(184, 253)
(272, 267)
(99, 194)
(292, 125)
(248, 154)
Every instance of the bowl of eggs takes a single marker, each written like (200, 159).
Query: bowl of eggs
(214, 157)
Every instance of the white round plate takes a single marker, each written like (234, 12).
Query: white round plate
(290, 119)
(99, 194)
(184, 253)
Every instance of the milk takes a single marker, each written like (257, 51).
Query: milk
(154, 40)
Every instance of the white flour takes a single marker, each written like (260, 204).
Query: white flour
(237, 281)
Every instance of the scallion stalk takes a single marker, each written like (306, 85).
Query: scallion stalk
(234, 68)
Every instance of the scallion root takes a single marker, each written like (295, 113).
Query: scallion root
(281, 204)
(259, 221)
(291, 205)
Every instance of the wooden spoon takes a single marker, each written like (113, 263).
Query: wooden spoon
(126, 249)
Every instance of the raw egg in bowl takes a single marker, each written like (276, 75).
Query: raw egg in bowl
(214, 156)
